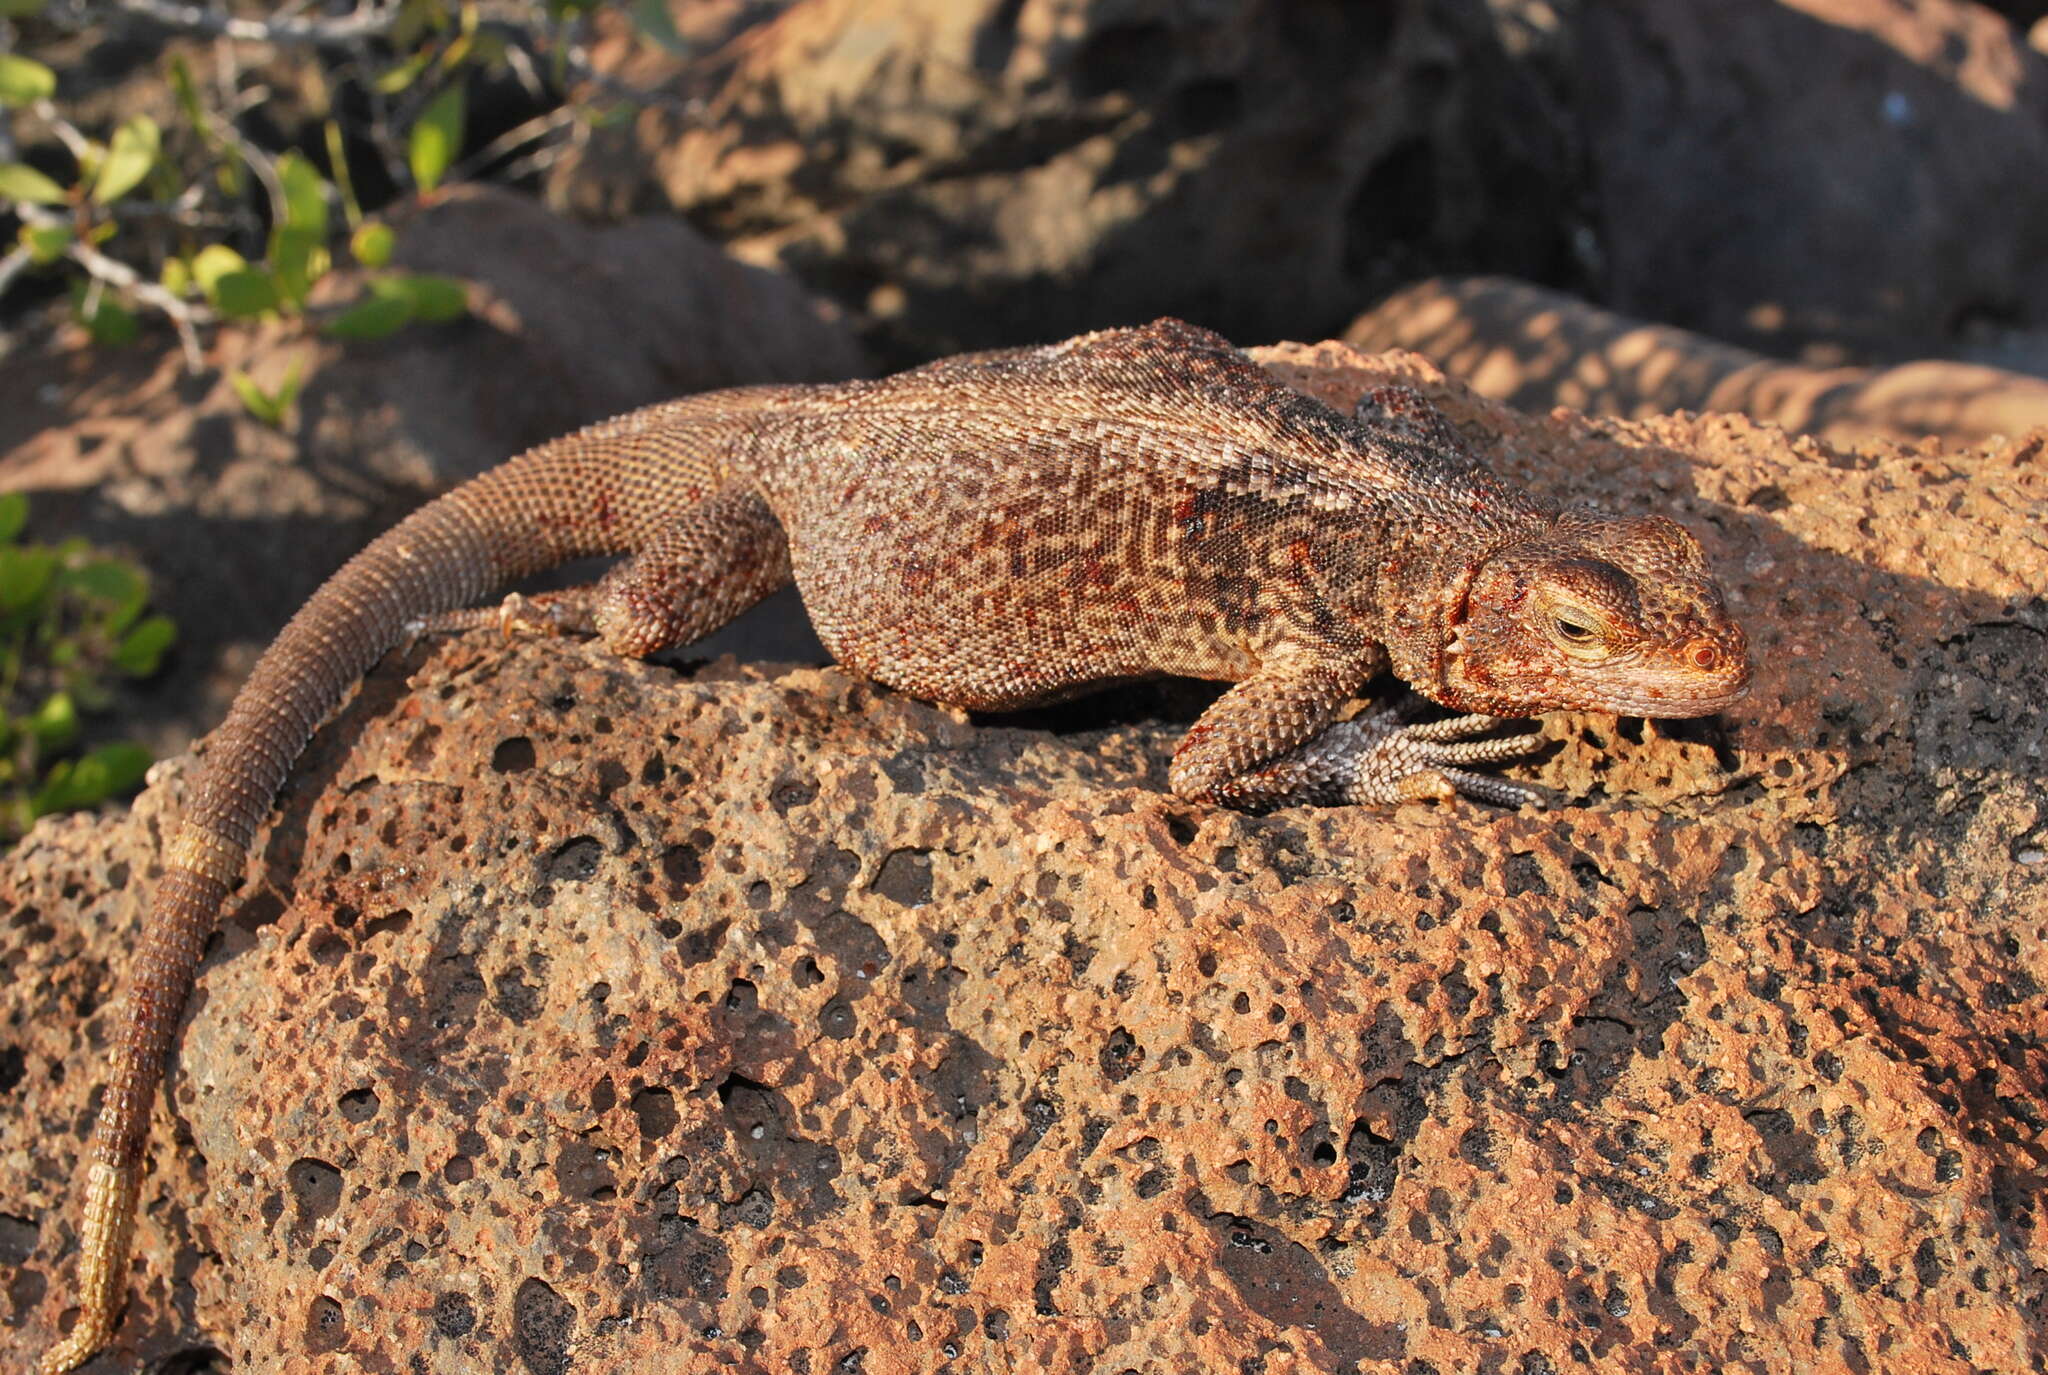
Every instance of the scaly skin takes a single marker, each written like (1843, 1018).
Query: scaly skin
(991, 531)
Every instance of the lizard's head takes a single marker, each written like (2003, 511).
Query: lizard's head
(1596, 613)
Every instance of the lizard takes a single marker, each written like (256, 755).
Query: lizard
(986, 532)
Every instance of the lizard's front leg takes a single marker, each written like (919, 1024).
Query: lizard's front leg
(1232, 754)
(1270, 741)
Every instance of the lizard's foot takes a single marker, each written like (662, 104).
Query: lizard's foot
(1380, 757)
(546, 613)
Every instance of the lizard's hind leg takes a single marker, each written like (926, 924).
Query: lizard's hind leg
(718, 558)
(711, 563)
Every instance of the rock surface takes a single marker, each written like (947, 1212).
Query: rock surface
(1535, 349)
(584, 1015)
(238, 522)
(980, 172)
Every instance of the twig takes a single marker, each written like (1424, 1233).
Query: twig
(12, 265)
(532, 131)
(365, 21)
(67, 133)
(185, 317)
(260, 163)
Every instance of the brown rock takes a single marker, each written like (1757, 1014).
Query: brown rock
(588, 1015)
(980, 172)
(238, 522)
(1535, 348)
(1770, 171)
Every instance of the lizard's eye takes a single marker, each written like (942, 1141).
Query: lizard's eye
(1572, 632)
(1578, 633)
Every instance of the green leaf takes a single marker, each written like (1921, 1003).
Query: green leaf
(24, 577)
(111, 323)
(105, 772)
(259, 403)
(109, 580)
(337, 160)
(54, 793)
(240, 295)
(45, 242)
(434, 300)
(607, 116)
(55, 723)
(124, 764)
(120, 587)
(305, 193)
(288, 390)
(375, 317)
(658, 26)
(21, 182)
(437, 137)
(13, 515)
(299, 258)
(20, 9)
(24, 81)
(129, 157)
(141, 650)
(372, 243)
(214, 262)
(405, 73)
(187, 92)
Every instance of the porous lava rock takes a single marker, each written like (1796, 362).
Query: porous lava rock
(589, 1015)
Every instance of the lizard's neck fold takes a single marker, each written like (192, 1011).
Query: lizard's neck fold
(1425, 596)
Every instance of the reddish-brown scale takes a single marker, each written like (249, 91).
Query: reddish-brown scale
(1264, 541)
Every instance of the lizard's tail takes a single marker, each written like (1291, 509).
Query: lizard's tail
(603, 490)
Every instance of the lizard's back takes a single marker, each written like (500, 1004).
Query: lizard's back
(1134, 502)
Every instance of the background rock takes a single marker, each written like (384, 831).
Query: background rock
(592, 1015)
(1535, 349)
(976, 172)
(1766, 170)
(1861, 173)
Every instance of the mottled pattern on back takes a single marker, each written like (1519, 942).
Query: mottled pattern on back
(995, 529)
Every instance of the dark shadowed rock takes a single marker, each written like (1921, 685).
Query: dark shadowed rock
(1780, 171)
(977, 172)
(983, 172)
(584, 1014)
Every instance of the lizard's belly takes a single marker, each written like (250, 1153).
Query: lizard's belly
(971, 624)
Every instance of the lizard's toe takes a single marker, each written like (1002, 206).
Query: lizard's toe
(1387, 760)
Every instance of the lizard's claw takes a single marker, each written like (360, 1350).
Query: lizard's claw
(1379, 757)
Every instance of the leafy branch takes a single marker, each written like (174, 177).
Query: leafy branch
(200, 223)
(72, 621)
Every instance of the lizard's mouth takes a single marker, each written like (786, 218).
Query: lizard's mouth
(1684, 699)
